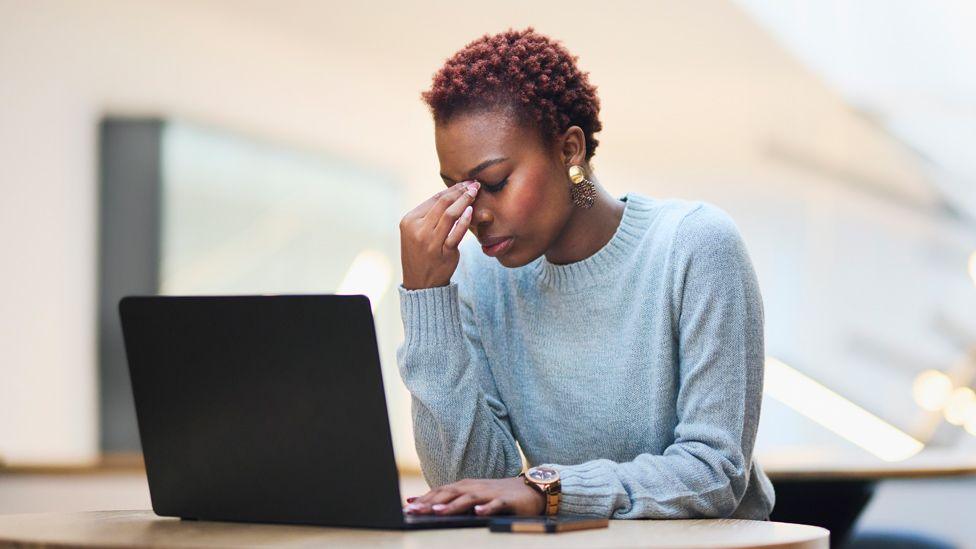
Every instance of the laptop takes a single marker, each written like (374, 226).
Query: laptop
(265, 409)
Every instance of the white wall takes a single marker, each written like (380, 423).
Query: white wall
(696, 98)
(63, 66)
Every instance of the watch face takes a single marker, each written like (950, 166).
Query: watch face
(542, 474)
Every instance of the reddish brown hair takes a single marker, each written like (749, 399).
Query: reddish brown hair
(524, 71)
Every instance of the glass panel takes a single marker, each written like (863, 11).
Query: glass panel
(241, 216)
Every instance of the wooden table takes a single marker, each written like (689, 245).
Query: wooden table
(831, 489)
(145, 529)
(824, 465)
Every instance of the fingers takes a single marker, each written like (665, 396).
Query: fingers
(423, 504)
(460, 504)
(496, 506)
(436, 204)
(444, 496)
(462, 497)
(448, 209)
(421, 209)
(450, 498)
(417, 508)
(457, 232)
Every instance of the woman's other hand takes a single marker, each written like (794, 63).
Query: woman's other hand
(430, 234)
(505, 496)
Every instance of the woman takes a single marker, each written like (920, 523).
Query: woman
(618, 342)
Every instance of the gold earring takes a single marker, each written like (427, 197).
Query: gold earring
(582, 190)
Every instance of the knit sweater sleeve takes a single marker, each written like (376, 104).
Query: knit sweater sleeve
(717, 320)
(461, 426)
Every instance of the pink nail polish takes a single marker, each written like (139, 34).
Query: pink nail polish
(439, 507)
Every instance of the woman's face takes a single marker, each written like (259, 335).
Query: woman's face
(524, 187)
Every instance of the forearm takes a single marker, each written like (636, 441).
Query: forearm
(463, 441)
(688, 481)
(461, 429)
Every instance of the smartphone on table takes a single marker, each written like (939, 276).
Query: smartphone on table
(545, 525)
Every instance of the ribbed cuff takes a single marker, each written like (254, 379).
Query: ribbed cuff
(586, 489)
(430, 315)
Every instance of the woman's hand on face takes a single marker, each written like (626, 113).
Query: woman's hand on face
(430, 234)
(504, 496)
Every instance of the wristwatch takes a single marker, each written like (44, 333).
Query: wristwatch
(546, 481)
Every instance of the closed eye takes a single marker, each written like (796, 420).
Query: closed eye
(496, 187)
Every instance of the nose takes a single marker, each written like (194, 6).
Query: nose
(481, 218)
(480, 214)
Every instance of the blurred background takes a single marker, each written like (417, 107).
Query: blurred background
(250, 146)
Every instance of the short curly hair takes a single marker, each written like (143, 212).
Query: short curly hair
(521, 70)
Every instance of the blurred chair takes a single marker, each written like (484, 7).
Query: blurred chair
(895, 539)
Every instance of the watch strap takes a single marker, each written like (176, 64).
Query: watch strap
(550, 491)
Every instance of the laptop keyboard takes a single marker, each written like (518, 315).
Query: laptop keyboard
(438, 519)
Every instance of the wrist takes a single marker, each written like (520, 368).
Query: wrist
(545, 481)
(537, 497)
(540, 501)
(411, 286)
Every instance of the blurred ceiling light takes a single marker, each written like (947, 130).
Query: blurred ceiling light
(931, 390)
(837, 414)
(369, 275)
(961, 403)
(971, 421)
(972, 267)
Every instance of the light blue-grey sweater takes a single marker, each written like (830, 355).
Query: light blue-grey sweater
(637, 372)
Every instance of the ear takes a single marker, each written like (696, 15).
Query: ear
(572, 146)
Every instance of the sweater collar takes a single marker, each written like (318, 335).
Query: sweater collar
(593, 269)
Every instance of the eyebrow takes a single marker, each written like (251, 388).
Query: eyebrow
(474, 171)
